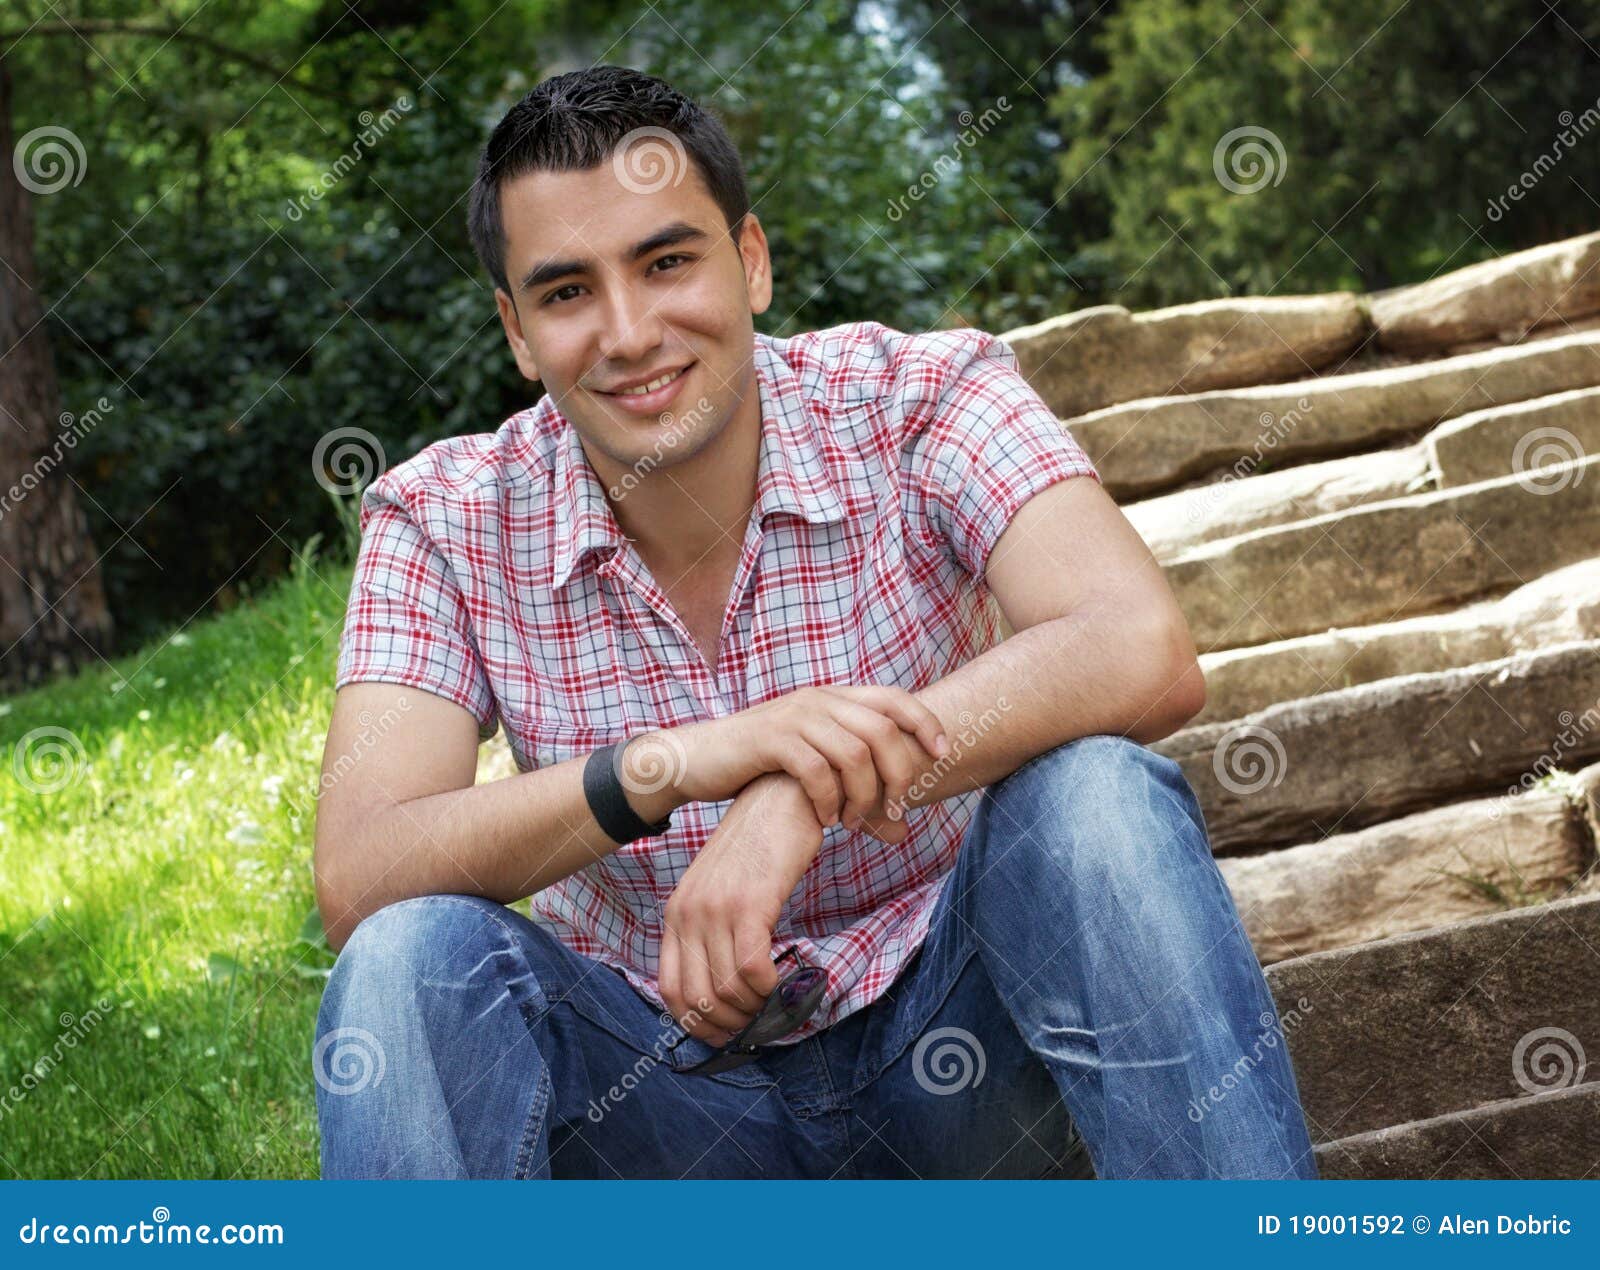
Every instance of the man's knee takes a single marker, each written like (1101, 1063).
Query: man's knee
(1103, 805)
(404, 946)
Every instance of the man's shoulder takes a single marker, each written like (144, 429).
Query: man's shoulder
(475, 467)
(857, 361)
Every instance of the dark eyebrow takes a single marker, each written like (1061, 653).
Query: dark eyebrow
(667, 236)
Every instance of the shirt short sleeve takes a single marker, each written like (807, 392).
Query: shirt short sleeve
(979, 443)
(407, 620)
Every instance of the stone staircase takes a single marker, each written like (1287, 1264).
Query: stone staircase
(1381, 515)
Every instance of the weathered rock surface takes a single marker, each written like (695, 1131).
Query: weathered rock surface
(1343, 760)
(1524, 437)
(1427, 869)
(1556, 1135)
(1556, 608)
(1146, 446)
(1174, 523)
(1497, 299)
(1081, 361)
(1422, 1025)
(1387, 560)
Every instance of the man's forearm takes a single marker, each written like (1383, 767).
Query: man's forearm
(504, 840)
(1096, 671)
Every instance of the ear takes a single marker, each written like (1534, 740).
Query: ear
(512, 324)
(757, 263)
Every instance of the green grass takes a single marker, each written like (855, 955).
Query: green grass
(161, 864)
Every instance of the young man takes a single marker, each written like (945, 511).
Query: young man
(776, 570)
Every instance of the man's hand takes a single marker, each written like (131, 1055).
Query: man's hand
(852, 748)
(716, 945)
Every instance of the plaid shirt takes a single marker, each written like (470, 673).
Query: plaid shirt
(493, 573)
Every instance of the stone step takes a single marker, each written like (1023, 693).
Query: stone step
(1425, 870)
(1522, 437)
(1558, 607)
(1082, 361)
(1554, 1135)
(1498, 299)
(1153, 445)
(1343, 760)
(1172, 524)
(1448, 1020)
(1381, 561)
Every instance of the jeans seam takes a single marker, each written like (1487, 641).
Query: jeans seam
(536, 1118)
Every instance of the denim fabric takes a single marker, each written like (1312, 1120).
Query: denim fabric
(1084, 991)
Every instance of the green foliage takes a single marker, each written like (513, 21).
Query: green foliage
(1398, 124)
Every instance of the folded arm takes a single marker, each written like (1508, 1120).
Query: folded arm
(1100, 646)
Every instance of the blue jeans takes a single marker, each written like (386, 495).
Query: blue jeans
(1083, 992)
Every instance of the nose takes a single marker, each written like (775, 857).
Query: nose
(631, 331)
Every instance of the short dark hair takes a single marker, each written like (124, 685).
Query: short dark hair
(575, 121)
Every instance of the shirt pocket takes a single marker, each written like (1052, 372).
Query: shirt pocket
(888, 632)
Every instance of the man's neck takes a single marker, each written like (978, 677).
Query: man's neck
(684, 516)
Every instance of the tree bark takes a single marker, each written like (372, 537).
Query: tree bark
(53, 614)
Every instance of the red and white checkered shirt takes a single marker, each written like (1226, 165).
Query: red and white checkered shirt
(493, 573)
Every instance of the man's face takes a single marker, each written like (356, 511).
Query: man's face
(616, 285)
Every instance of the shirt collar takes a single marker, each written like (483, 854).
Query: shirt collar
(791, 474)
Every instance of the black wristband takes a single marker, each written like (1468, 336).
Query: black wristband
(602, 786)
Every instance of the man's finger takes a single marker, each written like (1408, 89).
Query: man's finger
(728, 979)
(908, 712)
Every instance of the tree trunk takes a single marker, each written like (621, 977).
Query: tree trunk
(53, 613)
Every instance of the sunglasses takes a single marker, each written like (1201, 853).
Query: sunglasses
(787, 1006)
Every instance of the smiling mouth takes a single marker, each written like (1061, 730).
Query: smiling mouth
(660, 381)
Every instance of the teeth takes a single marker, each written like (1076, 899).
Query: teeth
(651, 386)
